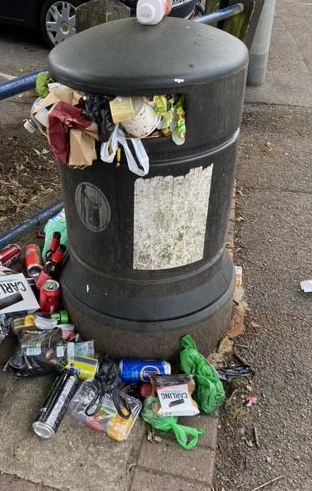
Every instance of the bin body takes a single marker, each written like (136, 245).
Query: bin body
(147, 261)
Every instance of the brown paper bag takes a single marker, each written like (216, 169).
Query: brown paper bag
(82, 146)
(63, 93)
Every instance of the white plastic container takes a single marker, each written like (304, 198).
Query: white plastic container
(145, 121)
(151, 12)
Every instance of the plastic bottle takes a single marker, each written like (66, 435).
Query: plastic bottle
(151, 12)
(55, 242)
(51, 269)
(38, 120)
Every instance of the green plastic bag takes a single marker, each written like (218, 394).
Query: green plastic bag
(209, 392)
(55, 224)
(186, 436)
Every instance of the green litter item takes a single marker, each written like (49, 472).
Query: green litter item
(56, 223)
(42, 81)
(186, 436)
(209, 392)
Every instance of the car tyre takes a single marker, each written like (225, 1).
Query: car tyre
(57, 20)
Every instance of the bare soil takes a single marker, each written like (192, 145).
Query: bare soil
(29, 176)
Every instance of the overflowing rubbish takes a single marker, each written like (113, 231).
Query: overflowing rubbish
(104, 394)
(82, 128)
(186, 436)
(209, 392)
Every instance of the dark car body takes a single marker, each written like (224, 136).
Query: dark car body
(32, 13)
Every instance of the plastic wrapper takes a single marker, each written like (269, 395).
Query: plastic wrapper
(5, 322)
(106, 419)
(39, 352)
(186, 436)
(209, 392)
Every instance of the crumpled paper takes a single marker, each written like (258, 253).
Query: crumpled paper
(71, 135)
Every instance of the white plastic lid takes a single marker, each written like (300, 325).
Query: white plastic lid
(150, 12)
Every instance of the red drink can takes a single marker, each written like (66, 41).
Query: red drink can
(33, 260)
(9, 254)
(50, 294)
(42, 278)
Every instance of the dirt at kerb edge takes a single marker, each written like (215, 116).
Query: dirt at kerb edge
(29, 178)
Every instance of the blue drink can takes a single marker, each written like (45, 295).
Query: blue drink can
(132, 370)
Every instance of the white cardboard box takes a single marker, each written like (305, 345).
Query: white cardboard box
(16, 295)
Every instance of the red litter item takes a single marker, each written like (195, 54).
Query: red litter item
(49, 299)
(9, 254)
(62, 118)
(55, 242)
(51, 269)
(33, 260)
(146, 390)
(250, 401)
(44, 276)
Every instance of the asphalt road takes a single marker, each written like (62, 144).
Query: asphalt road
(21, 50)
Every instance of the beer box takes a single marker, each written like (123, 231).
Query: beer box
(16, 295)
(175, 395)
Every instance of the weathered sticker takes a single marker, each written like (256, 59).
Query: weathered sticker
(92, 207)
(170, 219)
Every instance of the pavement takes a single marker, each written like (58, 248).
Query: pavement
(274, 177)
(273, 245)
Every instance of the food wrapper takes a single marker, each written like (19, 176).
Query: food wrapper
(175, 395)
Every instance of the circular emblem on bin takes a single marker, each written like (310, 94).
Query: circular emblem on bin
(92, 207)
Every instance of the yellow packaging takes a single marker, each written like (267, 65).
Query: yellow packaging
(118, 428)
(121, 109)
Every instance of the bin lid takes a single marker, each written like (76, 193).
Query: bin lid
(125, 57)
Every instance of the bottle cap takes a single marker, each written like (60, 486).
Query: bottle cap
(30, 126)
(149, 12)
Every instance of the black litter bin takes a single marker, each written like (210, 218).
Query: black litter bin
(147, 261)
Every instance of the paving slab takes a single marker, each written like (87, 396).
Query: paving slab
(153, 481)
(169, 458)
(289, 75)
(9, 482)
(75, 460)
(274, 151)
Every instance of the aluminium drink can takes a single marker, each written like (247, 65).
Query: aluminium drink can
(33, 260)
(132, 370)
(55, 405)
(9, 254)
(49, 299)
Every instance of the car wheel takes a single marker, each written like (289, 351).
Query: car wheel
(57, 20)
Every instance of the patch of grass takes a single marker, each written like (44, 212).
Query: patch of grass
(237, 413)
